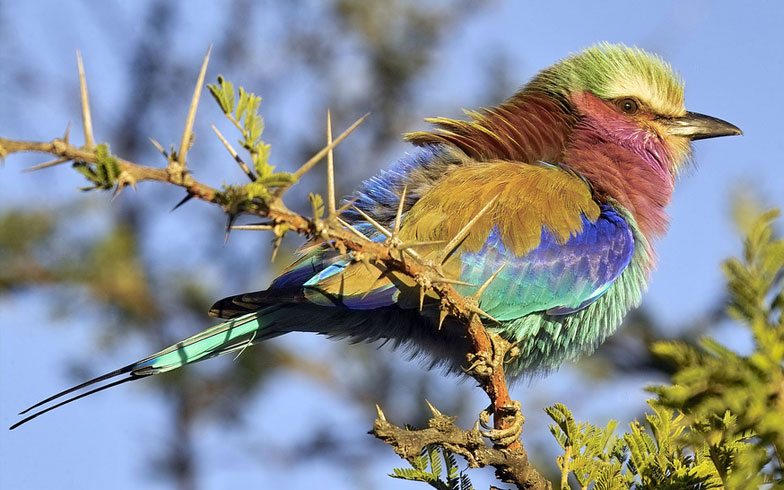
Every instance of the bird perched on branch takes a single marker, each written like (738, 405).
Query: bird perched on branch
(566, 183)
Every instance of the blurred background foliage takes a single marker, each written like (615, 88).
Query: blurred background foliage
(134, 278)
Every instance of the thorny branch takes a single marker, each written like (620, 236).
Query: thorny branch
(510, 465)
(489, 350)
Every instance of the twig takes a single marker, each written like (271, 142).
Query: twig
(66, 152)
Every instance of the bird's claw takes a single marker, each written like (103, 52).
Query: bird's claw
(513, 352)
(484, 417)
(506, 436)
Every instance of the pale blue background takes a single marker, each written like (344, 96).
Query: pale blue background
(730, 56)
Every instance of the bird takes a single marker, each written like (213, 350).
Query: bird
(565, 186)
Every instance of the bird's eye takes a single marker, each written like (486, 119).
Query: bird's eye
(628, 105)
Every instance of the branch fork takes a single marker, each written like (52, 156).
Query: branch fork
(511, 465)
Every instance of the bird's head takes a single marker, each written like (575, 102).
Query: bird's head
(632, 98)
(611, 113)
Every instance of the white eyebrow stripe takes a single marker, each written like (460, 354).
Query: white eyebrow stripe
(649, 94)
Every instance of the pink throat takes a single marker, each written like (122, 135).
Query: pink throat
(624, 161)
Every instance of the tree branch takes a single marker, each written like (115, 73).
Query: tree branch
(511, 465)
(490, 351)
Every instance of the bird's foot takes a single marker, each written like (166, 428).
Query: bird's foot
(506, 436)
(512, 352)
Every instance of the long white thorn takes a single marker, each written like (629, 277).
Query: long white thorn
(262, 227)
(373, 222)
(423, 243)
(330, 169)
(446, 280)
(483, 287)
(436, 412)
(411, 252)
(87, 120)
(318, 156)
(399, 215)
(234, 154)
(48, 164)
(483, 313)
(380, 413)
(188, 130)
(276, 247)
(353, 230)
(344, 207)
(442, 314)
(159, 147)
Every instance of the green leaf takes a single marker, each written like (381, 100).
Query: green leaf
(435, 460)
(465, 482)
(223, 93)
(245, 116)
(277, 180)
(432, 455)
(411, 474)
(104, 172)
(317, 203)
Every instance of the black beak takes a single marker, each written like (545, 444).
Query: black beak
(697, 126)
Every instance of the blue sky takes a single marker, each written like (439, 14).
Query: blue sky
(730, 56)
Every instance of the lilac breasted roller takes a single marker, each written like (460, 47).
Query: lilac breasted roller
(577, 168)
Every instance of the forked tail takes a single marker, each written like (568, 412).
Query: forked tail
(226, 337)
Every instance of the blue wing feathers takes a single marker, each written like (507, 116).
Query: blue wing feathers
(558, 278)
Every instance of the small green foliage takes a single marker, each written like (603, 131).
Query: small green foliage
(244, 114)
(236, 199)
(592, 454)
(721, 422)
(223, 93)
(432, 456)
(649, 456)
(103, 173)
(727, 397)
(317, 202)
(253, 125)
